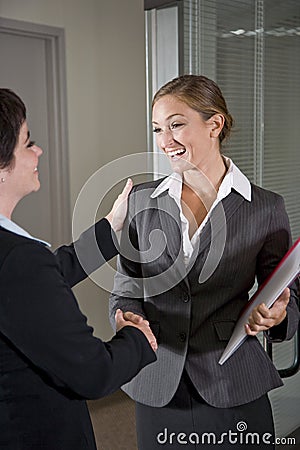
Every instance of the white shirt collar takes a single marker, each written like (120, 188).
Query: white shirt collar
(14, 228)
(234, 179)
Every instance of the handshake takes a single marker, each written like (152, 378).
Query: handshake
(134, 320)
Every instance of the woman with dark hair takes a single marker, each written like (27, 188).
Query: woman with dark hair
(50, 362)
(203, 235)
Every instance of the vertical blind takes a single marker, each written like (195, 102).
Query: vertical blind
(251, 48)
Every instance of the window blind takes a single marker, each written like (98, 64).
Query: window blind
(251, 48)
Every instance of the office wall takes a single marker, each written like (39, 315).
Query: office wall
(106, 95)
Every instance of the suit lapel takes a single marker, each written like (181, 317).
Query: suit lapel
(214, 232)
(170, 223)
(219, 218)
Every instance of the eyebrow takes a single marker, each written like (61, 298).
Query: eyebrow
(170, 117)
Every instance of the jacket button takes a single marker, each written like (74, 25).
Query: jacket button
(182, 337)
(185, 298)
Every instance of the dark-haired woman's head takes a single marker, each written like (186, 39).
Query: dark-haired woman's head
(19, 156)
(12, 117)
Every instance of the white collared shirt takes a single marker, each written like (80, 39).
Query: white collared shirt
(234, 179)
(14, 228)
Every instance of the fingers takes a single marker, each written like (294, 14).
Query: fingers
(120, 321)
(283, 300)
(127, 188)
(130, 319)
(135, 318)
(149, 335)
(130, 316)
(153, 344)
(118, 212)
(263, 318)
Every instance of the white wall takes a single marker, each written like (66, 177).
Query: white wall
(105, 61)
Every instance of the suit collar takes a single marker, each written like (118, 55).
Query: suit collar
(14, 228)
(234, 179)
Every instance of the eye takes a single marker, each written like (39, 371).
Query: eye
(30, 144)
(175, 125)
(156, 130)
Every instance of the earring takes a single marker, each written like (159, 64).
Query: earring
(2, 180)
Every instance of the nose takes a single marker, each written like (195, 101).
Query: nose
(166, 139)
(38, 151)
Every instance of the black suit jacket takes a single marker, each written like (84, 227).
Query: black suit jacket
(49, 359)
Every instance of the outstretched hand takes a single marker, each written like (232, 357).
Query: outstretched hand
(263, 318)
(137, 322)
(118, 212)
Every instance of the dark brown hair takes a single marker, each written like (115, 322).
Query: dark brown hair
(12, 116)
(201, 94)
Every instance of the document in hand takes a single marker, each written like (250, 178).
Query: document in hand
(282, 276)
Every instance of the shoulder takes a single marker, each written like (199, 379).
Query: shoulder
(269, 206)
(140, 195)
(150, 185)
(265, 196)
(16, 248)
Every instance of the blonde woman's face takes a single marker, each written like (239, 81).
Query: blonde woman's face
(182, 134)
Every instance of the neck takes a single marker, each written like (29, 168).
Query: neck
(6, 212)
(206, 180)
(7, 206)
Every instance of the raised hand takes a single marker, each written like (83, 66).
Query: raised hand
(118, 212)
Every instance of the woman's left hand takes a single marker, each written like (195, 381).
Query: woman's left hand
(263, 318)
(118, 212)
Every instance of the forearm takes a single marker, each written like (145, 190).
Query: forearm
(125, 304)
(40, 316)
(119, 360)
(94, 247)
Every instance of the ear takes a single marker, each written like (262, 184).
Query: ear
(216, 123)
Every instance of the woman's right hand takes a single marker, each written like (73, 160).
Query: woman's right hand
(134, 320)
(118, 212)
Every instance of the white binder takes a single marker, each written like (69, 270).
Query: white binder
(282, 276)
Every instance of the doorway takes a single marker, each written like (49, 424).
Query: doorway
(32, 65)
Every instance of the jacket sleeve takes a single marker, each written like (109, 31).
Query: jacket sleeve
(40, 316)
(128, 292)
(275, 246)
(94, 247)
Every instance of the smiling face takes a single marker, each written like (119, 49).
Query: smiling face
(183, 135)
(22, 178)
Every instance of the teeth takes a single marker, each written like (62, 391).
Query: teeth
(179, 151)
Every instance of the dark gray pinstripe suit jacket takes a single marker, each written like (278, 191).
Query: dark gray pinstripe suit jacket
(193, 320)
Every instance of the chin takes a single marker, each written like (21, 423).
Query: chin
(181, 166)
(37, 187)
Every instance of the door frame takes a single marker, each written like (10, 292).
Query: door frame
(54, 39)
